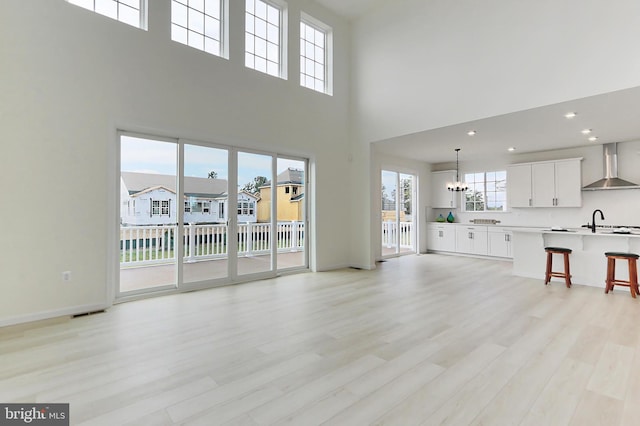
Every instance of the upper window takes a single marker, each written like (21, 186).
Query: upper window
(130, 12)
(263, 37)
(487, 191)
(314, 49)
(199, 24)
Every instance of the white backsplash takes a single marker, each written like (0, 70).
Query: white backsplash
(620, 207)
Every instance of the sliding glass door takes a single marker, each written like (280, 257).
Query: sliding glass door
(398, 216)
(148, 214)
(254, 227)
(193, 215)
(205, 189)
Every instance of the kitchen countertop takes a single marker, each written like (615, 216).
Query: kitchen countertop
(588, 263)
(607, 232)
(581, 231)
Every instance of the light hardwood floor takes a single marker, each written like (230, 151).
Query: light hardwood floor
(428, 339)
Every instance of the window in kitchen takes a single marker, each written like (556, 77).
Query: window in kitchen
(199, 24)
(132, 12)
(264, 36)
(487, 191)
(315, 43)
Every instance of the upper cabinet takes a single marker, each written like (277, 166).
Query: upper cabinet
(441, 197)
(545, 184)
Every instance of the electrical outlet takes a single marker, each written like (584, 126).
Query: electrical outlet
(66, 276)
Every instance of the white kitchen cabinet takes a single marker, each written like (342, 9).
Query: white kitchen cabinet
(519, 185)
(441, 197)
(441, 237)
(545, 184)
(499, 242)
(568, 183)
(471, 239)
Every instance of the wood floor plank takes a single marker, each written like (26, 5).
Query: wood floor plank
(423, 402)
(298, 398)
(429, 339)
(611, 374)
(190, 407)
(598, 410)
(557, 402)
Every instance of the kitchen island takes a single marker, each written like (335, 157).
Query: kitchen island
(588, 262)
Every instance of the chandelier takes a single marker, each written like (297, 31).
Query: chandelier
(457, 186)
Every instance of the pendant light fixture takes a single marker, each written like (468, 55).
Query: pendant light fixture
(457, 186)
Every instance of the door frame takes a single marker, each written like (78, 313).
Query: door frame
(232, 189)
(414, 213)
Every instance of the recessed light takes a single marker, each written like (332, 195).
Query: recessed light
(511, 149)
(586, 131)
(570, 115)
(593, 138)
(471, 132)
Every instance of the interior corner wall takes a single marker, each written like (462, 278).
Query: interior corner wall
(424, 64)
(71, 78)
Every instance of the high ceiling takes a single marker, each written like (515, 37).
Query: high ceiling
(612, 117)
(349, 9)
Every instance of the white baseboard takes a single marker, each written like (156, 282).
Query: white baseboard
(39, 316)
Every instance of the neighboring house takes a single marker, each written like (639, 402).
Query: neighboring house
(289, 197)
(247, 203)
(150, 199)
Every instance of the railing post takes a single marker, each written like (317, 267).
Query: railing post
(249, 238)
(294, 235)
(192, 242)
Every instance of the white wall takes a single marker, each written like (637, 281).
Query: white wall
(71, 78)
(620, 207)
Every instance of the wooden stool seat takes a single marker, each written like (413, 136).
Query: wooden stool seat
(611, 281)
(565, 252)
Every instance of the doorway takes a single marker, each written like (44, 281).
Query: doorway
(399, 231)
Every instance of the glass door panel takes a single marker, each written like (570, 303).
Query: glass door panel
(148, 214)
(205, 190)
(290, 201)
(389, 216)
(253, 214)
(406, 222)
(398, 215)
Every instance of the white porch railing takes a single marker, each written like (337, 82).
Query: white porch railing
(146, 245)
(391, 233)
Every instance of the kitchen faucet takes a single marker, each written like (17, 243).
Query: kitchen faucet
(593, 219)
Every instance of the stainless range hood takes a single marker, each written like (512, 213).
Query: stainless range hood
(610, 180)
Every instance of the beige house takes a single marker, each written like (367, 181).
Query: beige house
(289, 197)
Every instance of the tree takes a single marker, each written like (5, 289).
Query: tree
(254, 187)
(475, 200)
(213, 175)
(406, 194)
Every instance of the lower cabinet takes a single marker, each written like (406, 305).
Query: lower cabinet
(471, 240)
(500, 242)
(441, 237)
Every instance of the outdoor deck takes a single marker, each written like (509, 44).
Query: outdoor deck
(149, 276)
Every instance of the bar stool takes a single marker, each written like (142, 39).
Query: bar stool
(565, 252)
(611, 281)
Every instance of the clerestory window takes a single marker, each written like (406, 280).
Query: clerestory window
(200, 24)
(264, 35)
(315, 50)
(132, 12)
